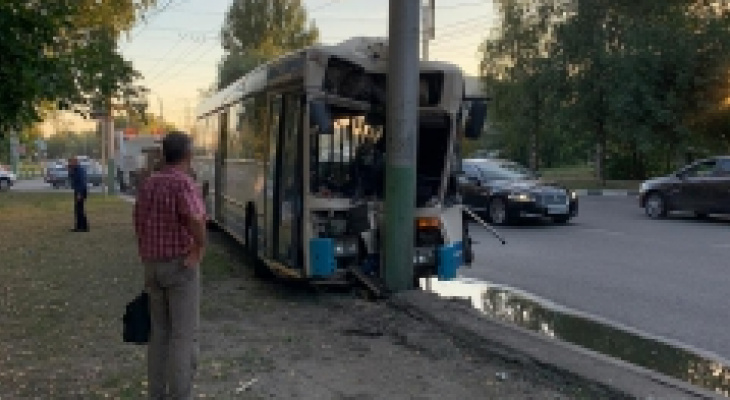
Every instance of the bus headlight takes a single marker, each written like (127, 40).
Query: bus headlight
(346, 247)
(424, 256)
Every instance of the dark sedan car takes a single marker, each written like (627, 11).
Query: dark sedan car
(702, 187)
(505, 191)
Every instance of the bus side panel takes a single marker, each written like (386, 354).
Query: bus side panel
(242, 171)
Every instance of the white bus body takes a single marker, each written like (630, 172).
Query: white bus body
(291, 160)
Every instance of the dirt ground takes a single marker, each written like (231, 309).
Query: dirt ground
(63, 295)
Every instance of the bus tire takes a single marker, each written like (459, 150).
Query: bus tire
(260, 270)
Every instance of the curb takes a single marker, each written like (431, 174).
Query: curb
(607, 192)
(498, 339)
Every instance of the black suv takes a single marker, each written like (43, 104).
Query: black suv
(505, 192)
(702, 187)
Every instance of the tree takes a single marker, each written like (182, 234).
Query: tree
(63, 52)
(256, 31)
(523, 78)
(634, 82)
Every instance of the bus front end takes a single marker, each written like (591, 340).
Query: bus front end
(345, 169)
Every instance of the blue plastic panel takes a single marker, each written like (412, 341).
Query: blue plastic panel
(322, 262)
(450, 258)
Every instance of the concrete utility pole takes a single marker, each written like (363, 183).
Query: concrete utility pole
(401, 144)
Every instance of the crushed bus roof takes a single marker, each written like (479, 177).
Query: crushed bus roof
(361, 50)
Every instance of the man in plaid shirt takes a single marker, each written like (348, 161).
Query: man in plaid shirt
(169, 219)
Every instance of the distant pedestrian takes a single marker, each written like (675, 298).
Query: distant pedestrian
(169, 219)
(79, 184)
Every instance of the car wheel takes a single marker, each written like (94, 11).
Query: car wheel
(701, 215)
(498, 213)
(561, 219)
(655, 206)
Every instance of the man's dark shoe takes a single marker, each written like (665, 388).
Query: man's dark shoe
(80, 230)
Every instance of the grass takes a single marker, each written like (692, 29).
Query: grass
(574, 172)
(63, 295)
(582, 177)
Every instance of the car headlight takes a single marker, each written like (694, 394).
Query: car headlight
(643, 187)
(573, 195)
(346, 248)
(522, 197)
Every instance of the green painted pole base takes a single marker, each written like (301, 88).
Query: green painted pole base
(400, 195)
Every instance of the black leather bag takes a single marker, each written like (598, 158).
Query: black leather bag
(136, 320)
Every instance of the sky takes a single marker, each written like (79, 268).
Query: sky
(177, 49)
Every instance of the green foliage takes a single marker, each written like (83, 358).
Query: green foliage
(64, 52)
(67, 144)
(636, 82)
(256, 31)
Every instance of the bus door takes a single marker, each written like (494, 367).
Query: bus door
(284, 181)
(220, 156)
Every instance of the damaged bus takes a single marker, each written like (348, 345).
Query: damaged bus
(292, 161)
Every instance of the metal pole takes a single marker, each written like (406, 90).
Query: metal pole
(102, 132)
(401, 144)
(159, 100)
(111, 170)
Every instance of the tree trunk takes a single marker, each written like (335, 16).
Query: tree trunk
(601, 153)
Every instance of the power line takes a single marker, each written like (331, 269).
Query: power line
(172, 61)
(172, 75)
(156, 13)
(325, 5)
(459, 24)
(460, 5)
(149, 19)
(167, 54)
(462, 27)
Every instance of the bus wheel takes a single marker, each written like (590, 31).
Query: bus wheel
(260, 269)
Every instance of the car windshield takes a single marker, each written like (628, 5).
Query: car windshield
(492, 170)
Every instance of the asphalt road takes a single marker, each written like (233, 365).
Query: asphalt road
(669, 278)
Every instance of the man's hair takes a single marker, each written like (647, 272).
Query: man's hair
(176, 146)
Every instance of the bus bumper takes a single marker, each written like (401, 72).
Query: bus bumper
(450, 258)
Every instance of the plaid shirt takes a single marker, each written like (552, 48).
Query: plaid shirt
(163, 202)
